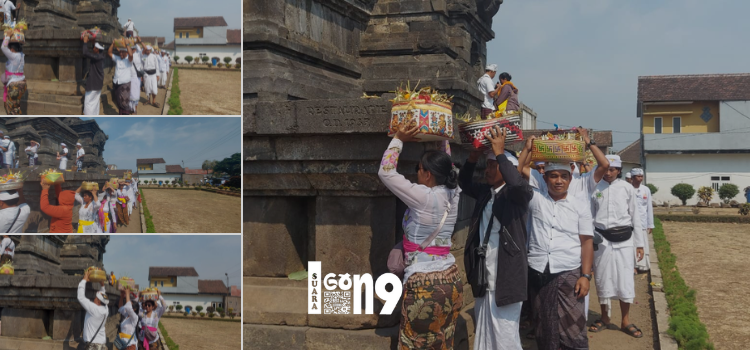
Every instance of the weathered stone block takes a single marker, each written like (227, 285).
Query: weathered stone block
(21, 323)
(275, 301)
(263, 337)
(333, 339)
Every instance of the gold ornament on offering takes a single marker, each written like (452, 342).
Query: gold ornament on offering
(90, 186)
(150, 294)
(52, 176)
(96, 274)
(7, 269)
(126, 283)
(559, 146)
(428, 109)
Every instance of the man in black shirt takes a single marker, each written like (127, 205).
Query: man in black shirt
(95, 80)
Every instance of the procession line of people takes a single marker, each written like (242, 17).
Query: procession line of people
(538, 236)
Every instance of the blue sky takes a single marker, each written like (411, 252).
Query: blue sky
(577, 62)
(156, 17)
(176, 139)
(211, 256)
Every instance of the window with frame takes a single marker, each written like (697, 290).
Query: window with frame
(718, 181)
(187, 35)
(676, 125)
(180, 35)
(657, 125)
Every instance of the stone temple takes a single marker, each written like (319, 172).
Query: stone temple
(312, 149)
(40, 300)
(50, 132)
(54, 67)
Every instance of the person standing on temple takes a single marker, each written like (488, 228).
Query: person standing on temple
(14, 78)
(8, 8)
(61, 215)
(94, 330)
(7, 247)
(11, 152)
(123, 73)
(506, 94)
(486, 88)
(151, 67)
(8, 150)
(79, 157)
(95, 80)
(163, 69)
(31, 151)
(645, 214)
(129, 28)
(63, 158)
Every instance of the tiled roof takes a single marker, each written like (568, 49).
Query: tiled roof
(189, 22)
(211, 287)
(169, 46)
(706, 87)
(631, 153)
(118, 173)
(154, 40)
(150, 161)
(172, 271)
(175, 169)
(234, 36)
(198, 171)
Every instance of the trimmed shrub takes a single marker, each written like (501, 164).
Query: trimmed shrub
(653, 188)
(727, 192)
(189, 59)
(227, 60)
(683, 192)
(706, 194)
(238, 66)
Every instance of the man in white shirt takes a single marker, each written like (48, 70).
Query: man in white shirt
(123, 73)
(646, 215)
(135, 81)
(7, 248)
(63, 158)
(8, 8)
(94, 328)
(13, 213)
(130, 191)
(150, 80)
(79, 157)
(487, 88)
(9, 150)
(163, 69)
(613, 204)
(129, 27)
(560, 257)
(31, 151)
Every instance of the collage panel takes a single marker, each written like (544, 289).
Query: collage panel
(65, 292)
(112, 57)
(120, 175)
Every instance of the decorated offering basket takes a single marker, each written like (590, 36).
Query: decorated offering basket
(52, 177)
(92, 34)
(11, 181)
(426, 108)
(559, 146)
(7, 269)
(90, 186)
(474, 134)
(126, 283)
(97, 274)
(150, 294)
(16, 33)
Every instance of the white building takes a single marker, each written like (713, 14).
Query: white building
(156, 169)
(695, 130)
(181, 286)
(528, 117)
(206, 37)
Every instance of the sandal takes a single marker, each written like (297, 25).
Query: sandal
(156, 104)
(598, 326)
(631, 329)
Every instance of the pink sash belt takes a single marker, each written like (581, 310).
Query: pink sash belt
(145, 341)
(5, 90)
(413, 247)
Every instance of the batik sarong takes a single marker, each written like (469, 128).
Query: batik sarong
(432, 303)
(16, 90)
(560, 317)
(121, 97)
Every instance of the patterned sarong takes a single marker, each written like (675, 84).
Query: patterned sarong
(121, 96)
(16, 90)
(432, 303)
(560, 317)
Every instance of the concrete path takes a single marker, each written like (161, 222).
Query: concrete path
(135, 223)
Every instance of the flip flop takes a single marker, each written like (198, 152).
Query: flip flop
(598, 326)
(631, 329)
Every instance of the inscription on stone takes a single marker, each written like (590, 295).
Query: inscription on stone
(343, 116)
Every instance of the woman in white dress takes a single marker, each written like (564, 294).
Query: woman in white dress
(128, 326)
(151, 315)
(107, 217)
(88, 214)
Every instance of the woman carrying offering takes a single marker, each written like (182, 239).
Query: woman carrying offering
(431, 279)
(128, 325)
(14, 78)
(87, 214)
(150, 321)
(107, 216)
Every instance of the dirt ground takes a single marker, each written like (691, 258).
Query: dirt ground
(204, 334)
(640, 315)
(185, 211)
(713, 260)
(689, 211)
(211, 92)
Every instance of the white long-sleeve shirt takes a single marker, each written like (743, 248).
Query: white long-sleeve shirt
(16, 62)
(485, 86)
(95, 316)
(645, 206)
(163, 64)
(129, 324)
(555, 230)
(426, 209)
(153, 321)
(614, 205)
(8, 243)
(151, 62)
(137, 62)
(129, 26)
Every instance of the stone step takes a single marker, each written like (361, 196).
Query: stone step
(55, 88)
(267, 337)
(47, 108)
(60, 99)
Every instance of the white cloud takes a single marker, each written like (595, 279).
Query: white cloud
(141, 133)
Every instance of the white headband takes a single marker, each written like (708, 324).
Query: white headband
(5, 196)
(99, 46)
(102, 296)
(636, 172)
(64, 145)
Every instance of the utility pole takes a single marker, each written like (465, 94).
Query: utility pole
(229, 289)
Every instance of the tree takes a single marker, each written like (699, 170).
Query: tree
(195, 60)
(653, 188)
(145, 181)
(204, 59)
(220, 309)
(178, 307)
(171, 308)
(176, 58)
(199, 308)
(238, 60)
(189, 59)
(683, 192)
(209, 164)
(227, 60)
(705, 194)
(728, 191)
(232, 166)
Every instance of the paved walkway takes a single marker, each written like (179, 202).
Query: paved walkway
(135, 223)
